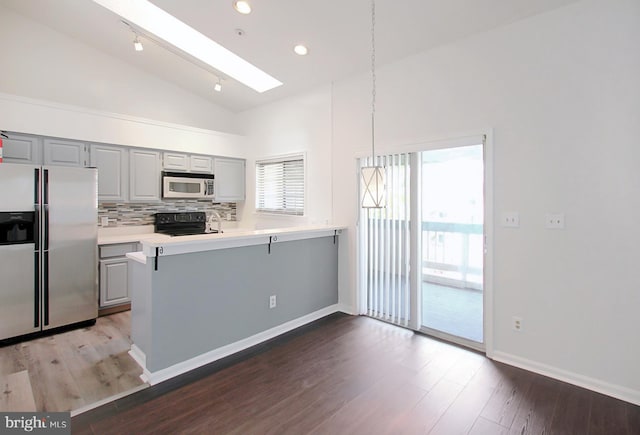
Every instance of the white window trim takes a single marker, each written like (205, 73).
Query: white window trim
(279, 158)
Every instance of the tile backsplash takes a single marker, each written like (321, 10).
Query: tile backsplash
(141, 213)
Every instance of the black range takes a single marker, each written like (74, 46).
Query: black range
(182, 223)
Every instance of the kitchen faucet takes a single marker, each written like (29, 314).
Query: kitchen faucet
(218, 218)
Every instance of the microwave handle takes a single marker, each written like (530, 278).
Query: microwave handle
(208, 187)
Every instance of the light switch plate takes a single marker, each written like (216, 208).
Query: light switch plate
(510, 219)
(104, 221)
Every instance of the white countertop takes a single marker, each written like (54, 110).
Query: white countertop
(229, 238)
(232, 238)
(139, 233)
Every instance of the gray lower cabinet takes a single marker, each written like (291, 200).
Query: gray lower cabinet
(114, 274)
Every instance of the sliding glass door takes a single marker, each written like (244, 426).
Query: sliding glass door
(452, 241)
(422, 257)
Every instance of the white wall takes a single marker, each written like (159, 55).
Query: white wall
(40, 63)
(300, 124)
(561, 92)
(28, 115)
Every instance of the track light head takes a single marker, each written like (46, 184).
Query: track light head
(137, 45)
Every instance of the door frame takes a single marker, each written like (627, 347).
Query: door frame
(474, 138)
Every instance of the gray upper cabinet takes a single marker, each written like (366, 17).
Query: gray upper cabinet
(144, 175)
(22, 149)
(202, 164)
(65, 153)
(175, 161)
(230, 179)
(113, 171)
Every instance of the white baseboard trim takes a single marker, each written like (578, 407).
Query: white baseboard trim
(138, 355)
(141, 358)
(606, 388)
(154, 378)
(347, 309)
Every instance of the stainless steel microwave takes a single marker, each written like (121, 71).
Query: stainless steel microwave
(187, 185)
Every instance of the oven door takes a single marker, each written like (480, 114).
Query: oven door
(182, 187)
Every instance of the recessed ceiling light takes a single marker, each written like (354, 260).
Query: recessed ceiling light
(242, 6)
(152, 19)
(301, 50)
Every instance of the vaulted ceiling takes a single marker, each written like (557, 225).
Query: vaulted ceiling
(337, 32)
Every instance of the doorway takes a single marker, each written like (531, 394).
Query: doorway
(423, 259)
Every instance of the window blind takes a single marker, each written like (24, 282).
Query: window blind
(385, 245)
(280, 186)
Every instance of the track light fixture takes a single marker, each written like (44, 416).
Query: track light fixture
(218, 86)
(137, 45)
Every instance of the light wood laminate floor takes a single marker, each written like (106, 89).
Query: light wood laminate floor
(69, 370)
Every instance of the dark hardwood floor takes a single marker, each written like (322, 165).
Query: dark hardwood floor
(355, 375)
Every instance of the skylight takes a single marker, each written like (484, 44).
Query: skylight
(165, 26)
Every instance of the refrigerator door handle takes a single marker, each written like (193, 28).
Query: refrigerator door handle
(36, 305)
(45, 287)
(45, 229)
(45, 201)
(45, 182)
(36, 228)
(36, 186)
(36, 202)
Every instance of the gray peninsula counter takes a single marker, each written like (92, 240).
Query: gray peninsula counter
(196, 299)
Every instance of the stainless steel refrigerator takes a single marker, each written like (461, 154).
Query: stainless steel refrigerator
(48, 247)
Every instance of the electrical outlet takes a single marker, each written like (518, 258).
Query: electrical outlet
(554, 221)
(228, 216)
(272, 301)
(517, 323)
(510, 219)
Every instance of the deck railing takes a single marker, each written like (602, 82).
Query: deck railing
(452, 254)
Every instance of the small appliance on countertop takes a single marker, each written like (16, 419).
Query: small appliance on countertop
(181, 223)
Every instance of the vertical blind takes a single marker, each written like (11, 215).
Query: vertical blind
(280, 186)
(384, 243)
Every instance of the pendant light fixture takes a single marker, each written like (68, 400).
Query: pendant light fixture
(373, 177)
